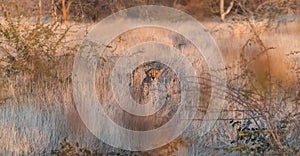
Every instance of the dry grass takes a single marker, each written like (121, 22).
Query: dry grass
(39, 111)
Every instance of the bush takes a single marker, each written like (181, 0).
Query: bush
(27, 46)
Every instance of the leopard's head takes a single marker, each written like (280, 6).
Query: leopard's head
(154, 74)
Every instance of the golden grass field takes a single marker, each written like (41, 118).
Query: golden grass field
(38, 112)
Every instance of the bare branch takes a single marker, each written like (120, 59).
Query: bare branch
(222, 13)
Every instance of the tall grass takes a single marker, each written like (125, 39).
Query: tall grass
(38, 111)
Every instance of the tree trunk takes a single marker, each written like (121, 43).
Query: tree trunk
(222, 10)
(64, 10)
(64, 16)
(223, 13)
(40, 20)
(53, 13)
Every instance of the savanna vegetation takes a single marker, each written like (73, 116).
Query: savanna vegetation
(259, 41)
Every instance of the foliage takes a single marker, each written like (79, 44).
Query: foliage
(270, 123)
(67, 148)
(250, 139)
(253, 139)
(95, 10)
(27, 46)
(258, 10)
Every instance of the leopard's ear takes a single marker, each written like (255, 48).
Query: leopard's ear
(161, 70)
(146, 70)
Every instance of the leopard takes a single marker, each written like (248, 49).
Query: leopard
(154, 74)
(150, 81)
